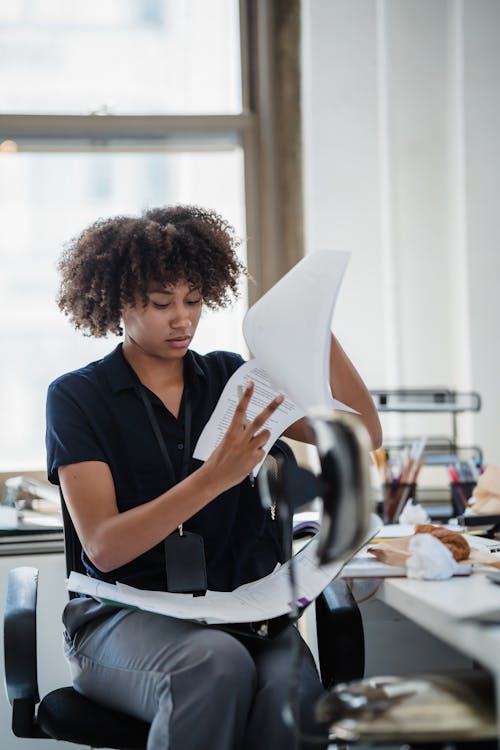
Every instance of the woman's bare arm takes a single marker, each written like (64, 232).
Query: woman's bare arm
(347, 386)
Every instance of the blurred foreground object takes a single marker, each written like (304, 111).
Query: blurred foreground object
(343, 484)
(417, 708)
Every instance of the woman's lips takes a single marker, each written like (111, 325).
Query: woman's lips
(179, 343)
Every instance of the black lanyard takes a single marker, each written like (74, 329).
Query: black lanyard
(159, 437)
(185, 566)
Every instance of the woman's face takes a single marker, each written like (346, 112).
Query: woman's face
(165, 327)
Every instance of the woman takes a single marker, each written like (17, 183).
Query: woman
(120, 436)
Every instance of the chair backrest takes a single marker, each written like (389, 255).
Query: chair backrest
(281, 452)
(72, 546)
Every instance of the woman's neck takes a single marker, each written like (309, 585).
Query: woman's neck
(155, 373)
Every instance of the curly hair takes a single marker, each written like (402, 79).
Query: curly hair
(112, 262)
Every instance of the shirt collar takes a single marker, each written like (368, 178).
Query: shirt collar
(192, 367)
(121, 376)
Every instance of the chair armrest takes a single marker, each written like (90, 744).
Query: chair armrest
(20, 652)
(340, 633)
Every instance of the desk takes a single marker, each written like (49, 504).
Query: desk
(31, 542)
(437, 607)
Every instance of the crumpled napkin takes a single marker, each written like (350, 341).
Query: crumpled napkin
(429, 559)
(413, 514)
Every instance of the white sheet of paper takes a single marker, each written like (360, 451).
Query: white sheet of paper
(288, 331)
(264, 392)
(265, 598)
(288, 328)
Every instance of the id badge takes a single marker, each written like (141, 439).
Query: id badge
(185, 563)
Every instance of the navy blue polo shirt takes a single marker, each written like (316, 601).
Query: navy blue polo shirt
(96, 414)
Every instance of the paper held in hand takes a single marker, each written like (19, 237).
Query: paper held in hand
(288, 332)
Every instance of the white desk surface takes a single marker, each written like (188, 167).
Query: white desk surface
(439, 606)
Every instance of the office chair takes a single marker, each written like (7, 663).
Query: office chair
(64, 714)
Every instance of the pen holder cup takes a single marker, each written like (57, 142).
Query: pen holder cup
(460, 494)
(395, 497)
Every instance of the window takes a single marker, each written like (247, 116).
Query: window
(105, 108)
(120, 56)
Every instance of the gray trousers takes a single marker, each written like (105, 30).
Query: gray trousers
(200, 688)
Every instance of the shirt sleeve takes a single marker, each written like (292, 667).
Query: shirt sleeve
(69, 436)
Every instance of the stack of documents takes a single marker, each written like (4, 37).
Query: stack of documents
(264, 599)
(267, 598)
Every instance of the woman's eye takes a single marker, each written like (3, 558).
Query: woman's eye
(194, 301)
(160, 306)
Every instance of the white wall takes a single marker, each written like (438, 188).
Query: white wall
(401, 108)
(482, 193)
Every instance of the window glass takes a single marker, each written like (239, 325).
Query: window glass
(119, 56)
(45, 199)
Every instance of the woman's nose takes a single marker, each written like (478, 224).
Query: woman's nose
(181, 318)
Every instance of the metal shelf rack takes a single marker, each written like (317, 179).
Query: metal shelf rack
(428, 401)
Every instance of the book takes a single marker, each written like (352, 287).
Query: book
(288, 333)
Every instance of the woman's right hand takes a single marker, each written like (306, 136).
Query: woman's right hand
(242, 447)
